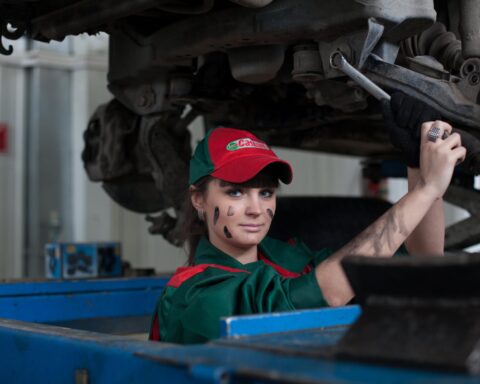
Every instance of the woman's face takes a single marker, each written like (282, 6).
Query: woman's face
(236, 217)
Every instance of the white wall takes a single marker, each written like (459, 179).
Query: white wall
(12, 175)
(322, 175)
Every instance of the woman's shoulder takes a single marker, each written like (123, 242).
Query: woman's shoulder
(192, 273)
(293, 253)
(292, 246)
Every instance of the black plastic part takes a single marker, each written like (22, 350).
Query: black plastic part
(420, 311)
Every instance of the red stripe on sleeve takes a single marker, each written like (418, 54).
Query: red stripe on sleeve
(182, 274)
(155, 331)
(308, 268)
(281, 271)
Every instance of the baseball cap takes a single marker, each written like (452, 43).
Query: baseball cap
(235, 156)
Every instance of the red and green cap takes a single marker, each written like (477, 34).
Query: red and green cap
(235, 155)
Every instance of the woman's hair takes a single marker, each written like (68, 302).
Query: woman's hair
(194, 228)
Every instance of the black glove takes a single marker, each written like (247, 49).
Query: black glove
(404, 115)
(471, 164)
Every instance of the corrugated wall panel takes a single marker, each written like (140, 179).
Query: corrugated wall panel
(49, 202)
(12, 176)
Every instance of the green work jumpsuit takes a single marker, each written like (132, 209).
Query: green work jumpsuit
(217, 285)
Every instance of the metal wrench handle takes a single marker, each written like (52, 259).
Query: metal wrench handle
(338, 61)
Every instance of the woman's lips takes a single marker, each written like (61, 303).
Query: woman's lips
(252, 227)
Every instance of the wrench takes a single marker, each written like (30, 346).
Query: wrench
(338, 61)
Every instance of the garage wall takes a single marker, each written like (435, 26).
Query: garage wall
(12, 170)
(321, 174)
(36, 191)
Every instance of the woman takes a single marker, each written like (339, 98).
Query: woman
(236, 269)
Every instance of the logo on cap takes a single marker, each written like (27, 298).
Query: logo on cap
(246, 143)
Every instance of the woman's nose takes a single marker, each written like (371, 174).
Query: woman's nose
(253, 206)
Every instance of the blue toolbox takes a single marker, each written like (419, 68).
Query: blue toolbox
(82, 260)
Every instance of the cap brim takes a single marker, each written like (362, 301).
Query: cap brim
(246, 168)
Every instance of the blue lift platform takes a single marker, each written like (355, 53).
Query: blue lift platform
(81, 332)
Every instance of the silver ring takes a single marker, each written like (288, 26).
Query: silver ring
(433, 134)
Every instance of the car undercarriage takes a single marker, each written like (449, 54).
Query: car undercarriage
(263, 65)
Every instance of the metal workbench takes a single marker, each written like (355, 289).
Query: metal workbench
(37, 347)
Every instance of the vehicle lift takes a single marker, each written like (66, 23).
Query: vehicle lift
(95, 331)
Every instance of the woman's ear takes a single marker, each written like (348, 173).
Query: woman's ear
(197, 199)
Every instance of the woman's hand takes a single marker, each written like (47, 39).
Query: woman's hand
(438, 158)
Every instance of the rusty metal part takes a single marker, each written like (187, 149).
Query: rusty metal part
(469, 27)
(257, 64)
(436, 41)
(166, 143)
(137, 193)
(339, 95)
(307, 64)
(86, 15)
(110, 127)
(165, 225)
(168, 153)
(339, 136)
(252, 3)
(466, 232)
(429, 66)
(441, 95)
(471, 164)
(142, 97)
(111, 155)
(187, 9)
(284, 22)
(142, 161)
(180, 88)
(470, 67)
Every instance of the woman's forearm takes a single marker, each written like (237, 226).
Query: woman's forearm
(428, 238)
(381, 239)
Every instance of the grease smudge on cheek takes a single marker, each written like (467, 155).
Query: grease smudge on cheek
(230, 212)
(270, 213)
(227, 233)
(216, 215)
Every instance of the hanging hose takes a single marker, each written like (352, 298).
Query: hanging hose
(437, 42)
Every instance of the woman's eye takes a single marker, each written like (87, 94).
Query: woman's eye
(234, 192)
(267, 193)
